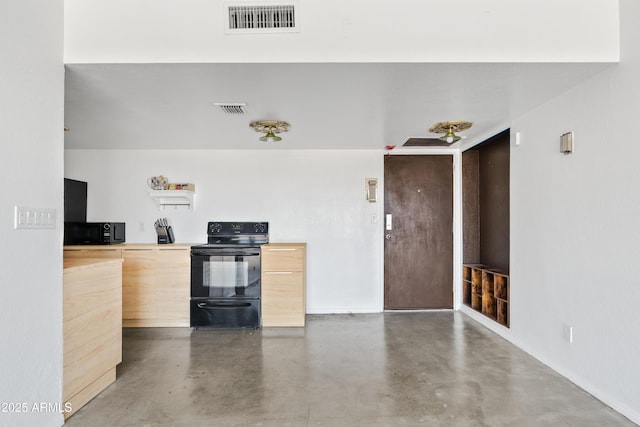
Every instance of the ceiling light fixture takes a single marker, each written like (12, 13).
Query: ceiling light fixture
(449, 129)
(270, 128)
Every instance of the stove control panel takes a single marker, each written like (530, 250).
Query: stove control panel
(214, 227)
(242, 228)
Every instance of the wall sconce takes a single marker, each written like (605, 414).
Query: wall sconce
(566, 143)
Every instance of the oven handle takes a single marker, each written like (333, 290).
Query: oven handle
(224, 305)
(226, 251)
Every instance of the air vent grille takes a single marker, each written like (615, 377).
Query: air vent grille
(237, 108)
(271, 17)
(425, 142)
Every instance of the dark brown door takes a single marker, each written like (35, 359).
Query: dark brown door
(418, 250)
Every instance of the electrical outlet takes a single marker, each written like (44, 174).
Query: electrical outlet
(567, 333)
(34, 217)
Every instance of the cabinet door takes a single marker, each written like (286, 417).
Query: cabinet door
(283, 298)
(139, 284)
(173, 286)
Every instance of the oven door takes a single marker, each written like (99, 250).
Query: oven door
(225, 272)
(221, 313)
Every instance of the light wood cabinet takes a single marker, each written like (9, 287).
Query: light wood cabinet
(92, 327)
(173, 285)
(283, 284)
(155, 281)
(139, 284)
(156, 285)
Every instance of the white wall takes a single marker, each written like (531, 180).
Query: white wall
(575, 232)
(31, 147)
(573, 218)
(309, 196)
(347, 31)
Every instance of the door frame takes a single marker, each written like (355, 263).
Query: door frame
(457, 219)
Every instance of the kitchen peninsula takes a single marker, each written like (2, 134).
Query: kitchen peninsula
(92, 328)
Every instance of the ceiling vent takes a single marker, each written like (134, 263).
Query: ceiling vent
(252, 18)
(237, 108)
(425, 142)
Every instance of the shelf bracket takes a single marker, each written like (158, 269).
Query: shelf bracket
(175, 198)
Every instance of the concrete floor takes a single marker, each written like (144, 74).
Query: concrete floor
(392, 369)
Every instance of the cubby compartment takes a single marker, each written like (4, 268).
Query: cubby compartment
(466, 285)
(488, 300)
(476, 302)
(476, 281)
(466, 292)
(503, 313)
(466, 273)
(500, 287)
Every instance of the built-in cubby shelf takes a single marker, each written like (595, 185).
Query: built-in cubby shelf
(174, 198)
(485, 227)
(486, 290)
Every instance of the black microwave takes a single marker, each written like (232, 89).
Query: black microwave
(93, 233)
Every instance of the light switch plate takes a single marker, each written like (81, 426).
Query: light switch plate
(37, 218)
(567, 333)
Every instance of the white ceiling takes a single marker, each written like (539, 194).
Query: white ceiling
(329, 105)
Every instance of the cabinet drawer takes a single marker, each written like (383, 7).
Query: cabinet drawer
(93, 253)
(280, 299)
(282, 258)
(290, 281)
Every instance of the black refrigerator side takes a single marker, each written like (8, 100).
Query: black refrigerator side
(75, 200)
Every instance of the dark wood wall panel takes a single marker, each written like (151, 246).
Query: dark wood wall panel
(485, 209)
(470, 207)
(494, 202)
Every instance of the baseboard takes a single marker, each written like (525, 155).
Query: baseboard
(426, 310)
(343, 310)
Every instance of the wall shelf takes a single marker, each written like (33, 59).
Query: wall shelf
(175, 198)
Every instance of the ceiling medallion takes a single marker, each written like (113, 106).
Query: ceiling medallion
(270, 128)
(449, 129)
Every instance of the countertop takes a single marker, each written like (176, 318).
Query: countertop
(277, 244)
(131, 246)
